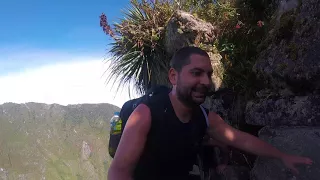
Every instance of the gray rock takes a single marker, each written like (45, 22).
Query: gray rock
(218, 70)
(289, 111)
(3, 174)
(290, 54)
(85, 151)
(227, 104)
(184, 29)
(302, 141)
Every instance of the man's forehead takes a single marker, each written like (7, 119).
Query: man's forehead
(200, 62)
(197, 58)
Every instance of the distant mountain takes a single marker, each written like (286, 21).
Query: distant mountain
(40, 141)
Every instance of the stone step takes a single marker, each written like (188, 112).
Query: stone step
(288, 111)
(303, 141)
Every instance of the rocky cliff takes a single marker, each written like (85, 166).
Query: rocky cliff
(40, 141)
(289, 64)
(288, 67)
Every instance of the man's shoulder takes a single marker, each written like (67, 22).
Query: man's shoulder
(156, 100)
(130, 105)
(129, 102)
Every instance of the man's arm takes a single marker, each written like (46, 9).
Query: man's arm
(131, 144)
(225, 133)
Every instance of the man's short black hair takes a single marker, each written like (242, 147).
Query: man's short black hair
(182, 56)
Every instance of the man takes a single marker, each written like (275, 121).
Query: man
(161, 135)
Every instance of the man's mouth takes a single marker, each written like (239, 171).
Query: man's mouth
(198, 94)
(202, 89)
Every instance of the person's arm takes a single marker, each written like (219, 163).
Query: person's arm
(131, 144)
(230, 136)
(220, 130)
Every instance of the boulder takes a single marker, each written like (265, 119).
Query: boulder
(184, 29)
(290, 54)
(225, 103)
(302, 141)
(289, 111)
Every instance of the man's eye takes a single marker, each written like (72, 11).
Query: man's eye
(197, 73)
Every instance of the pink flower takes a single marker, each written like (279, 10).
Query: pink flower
(260, 23)
(238, 24)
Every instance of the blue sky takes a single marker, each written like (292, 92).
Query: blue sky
(40, 34)
(58, 24)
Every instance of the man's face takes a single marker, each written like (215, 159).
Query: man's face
(194, 81)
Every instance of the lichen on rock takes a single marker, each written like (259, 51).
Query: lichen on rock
(184, 29)
(302, 141)
(289, 111)
(291, 50)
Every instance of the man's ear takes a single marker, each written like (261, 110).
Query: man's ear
(173, 76)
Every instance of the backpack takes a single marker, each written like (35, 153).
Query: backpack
(125, 112)
(129, 106)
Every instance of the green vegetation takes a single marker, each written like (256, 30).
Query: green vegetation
(139, 50)
(37, 141)
(138, 47)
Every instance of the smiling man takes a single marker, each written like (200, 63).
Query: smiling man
(162, 135)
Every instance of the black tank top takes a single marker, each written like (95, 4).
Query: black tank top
(171, 146)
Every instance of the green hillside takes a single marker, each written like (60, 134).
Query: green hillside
(40, 141)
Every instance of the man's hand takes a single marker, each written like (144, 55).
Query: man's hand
(246, 142)
(290, 161)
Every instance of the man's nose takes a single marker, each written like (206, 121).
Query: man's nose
(206, 80)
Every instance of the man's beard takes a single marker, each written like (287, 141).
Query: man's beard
(184, 94)
(185, 98)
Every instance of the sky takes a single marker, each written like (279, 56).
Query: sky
(54, 51)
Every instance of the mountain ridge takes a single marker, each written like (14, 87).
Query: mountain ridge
(53, 141)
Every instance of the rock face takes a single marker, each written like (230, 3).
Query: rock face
(290, 55)
(289, 63)
(304, 141)
(289, 111)
(184, 29)
(224, 102)
(289, 106)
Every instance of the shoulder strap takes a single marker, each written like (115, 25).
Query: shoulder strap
(205, 115)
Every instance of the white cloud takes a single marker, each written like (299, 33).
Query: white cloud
(20, 58)
(78, 81)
